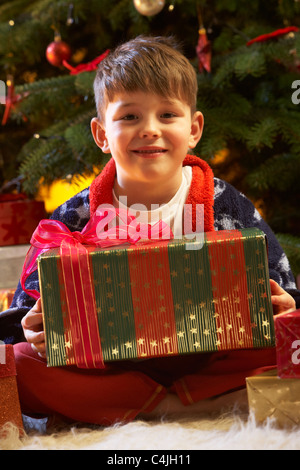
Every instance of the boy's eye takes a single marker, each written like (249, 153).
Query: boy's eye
(168, 115)
(129, 117)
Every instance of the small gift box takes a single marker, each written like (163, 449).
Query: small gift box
(271, 397)
(287, 332)
(19, 217)
(10, 410)
(162, 298)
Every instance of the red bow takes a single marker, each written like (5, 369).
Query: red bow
(53, 233)
(76, 271)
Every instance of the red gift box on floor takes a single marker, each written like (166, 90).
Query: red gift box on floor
(287, 332)
(19, 217)
(10, 410)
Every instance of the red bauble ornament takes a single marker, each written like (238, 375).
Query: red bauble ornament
(57, 51)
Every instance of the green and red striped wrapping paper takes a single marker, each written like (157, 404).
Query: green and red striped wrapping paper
(163, 298)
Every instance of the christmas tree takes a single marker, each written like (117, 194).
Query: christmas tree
(247, 55)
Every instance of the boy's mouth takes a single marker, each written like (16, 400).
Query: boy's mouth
(149, 151)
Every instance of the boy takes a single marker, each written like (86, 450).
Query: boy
(147, 119)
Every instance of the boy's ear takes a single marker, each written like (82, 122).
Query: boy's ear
(99, 135)
(196, 129)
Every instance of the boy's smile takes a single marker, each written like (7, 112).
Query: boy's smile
(148, 136)
(150, 151)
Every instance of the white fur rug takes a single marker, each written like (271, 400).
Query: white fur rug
(230, 430)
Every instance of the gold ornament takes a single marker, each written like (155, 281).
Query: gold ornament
(149, 7)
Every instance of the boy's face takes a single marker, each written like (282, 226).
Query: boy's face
(147, 135)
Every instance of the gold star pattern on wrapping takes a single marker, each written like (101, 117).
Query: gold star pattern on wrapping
(236, 328)
(150, 301)
(196, 329)
(235, 325)
(137, 285)
(113, 274)
(259, 302)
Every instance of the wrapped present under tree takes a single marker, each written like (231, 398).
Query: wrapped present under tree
(156, 299)
(274, 398)
(19, 217)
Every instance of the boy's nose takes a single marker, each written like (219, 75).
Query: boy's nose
(150, 130)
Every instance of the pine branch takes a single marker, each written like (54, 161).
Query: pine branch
(27, 36)
(63, 149)
(48, 84)
(249, 61)
(84, 83)
(80, 140)
(39, 101)
(289, 126)
(280, 172)
(262, 134)
(291, 247)
(12, 9)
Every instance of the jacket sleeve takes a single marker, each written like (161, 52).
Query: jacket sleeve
(74, 214)
(233, 210)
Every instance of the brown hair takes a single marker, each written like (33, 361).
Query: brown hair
(152, 64)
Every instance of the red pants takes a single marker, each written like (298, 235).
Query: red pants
(126, 388)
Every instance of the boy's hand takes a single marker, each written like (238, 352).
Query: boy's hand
(282, 301)
(33, 329)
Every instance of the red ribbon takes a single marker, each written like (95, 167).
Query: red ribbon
(273, 34)
(77, 272)
(89, 67)
(11, 101)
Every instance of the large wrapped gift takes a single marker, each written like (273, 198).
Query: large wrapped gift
(10, 410)
(162, 298)
(274, 398)
(287, 332)
(19, 217)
